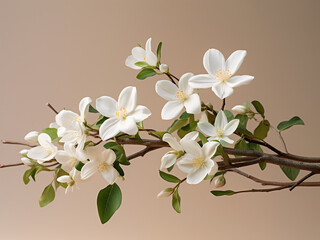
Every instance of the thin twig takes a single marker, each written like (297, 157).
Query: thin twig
(301, 180)
(11, 165)
(17, 143)
(52, 108)
(223, 104)
(141, 153)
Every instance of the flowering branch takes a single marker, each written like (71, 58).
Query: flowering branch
(200, 139)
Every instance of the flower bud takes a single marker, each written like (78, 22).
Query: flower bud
(163, 68)
(165, 193)
(53, 125)
(24, 152)
(32, 137)
(250, 115)
(220, 181)
(26, 161)
(240, 109)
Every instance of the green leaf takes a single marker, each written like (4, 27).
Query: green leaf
(222, 193)
(177, 125)
(243, 120)
(145, 73)
(108, 202)
(58, 173)
(119, 151)
(256, 147)
(79, 165)
(157, 134)
(169, 177)
(229, 115)
(28, 173)
(159, 51)
(101, 120)
(185, 115)
(203, 138)
(287, 124)
(142, 64)
(116, 165)
(258, 106)
(262, 130)
(47, 196)
(291, 173)
(176, 201)
(52, 132)
(92, 109)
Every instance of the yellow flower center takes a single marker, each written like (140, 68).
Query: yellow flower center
(219, 132)
(223, 75)
(78, 119)
(181, 96)
(103, 167)
(198, 162)
(122, 113)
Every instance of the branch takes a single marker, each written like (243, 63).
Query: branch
(11, 165)
(17, 143)
(141, 153)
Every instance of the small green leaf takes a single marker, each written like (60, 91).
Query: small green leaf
(222, 193)
(291, 173)
(92, 109)
(79, 166)
(243, 120)
(119, 151)
(52, 132)
(27, 174)
(185, 115)
(157, 134)
(259, 108)
(262, 130)
(116, 165)
(169, 177)
(287, 124)
(176, 201)
(142, 64)
(159, 52)
(101, 120)
(47, 196)
(145, 73)
(108, 202)
(203, 138)
(177, 125)
(229, 115)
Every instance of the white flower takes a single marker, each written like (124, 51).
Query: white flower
(123, 115)
(197, 162)
(45, 152)
(72, 129)
(171, 157)
(32, 137)
(70, 156)
(142, 55)
(72, 179)
(240, 109)
(178, 98)
(100, 161)
(220, 75)
(24, 152)
(221, 129)
(53, 125)
(163, 68)
(165, 193)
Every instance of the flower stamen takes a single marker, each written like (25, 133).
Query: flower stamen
(103, 166)
(219, 132)
(122, 113)
(198, 162)
(181, 96)
(223, 75)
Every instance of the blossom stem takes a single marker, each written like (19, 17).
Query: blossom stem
(17, 143)
(52, 108)
(223, 104)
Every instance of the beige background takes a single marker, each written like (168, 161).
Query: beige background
(61, 51)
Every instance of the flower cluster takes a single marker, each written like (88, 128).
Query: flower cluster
(199, 136)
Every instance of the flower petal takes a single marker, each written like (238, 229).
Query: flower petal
(172, 141)
(191, 147)
(151, 58)
(109, 128)
(130, 62)
(140, 113)
(89, 169)
(44, 139)
(128, 126)
(166, 89)
(193, 104)
(107, 106)
(108, 156)
(213, 60)
(63, 157)
(171, 110)
(214, 169)
(198, 175)
(186, 163)
(128, 98)
(209, 149)
(67, 119)
(207, 128)
(237, 81)
(225, 141)
(222, 90)
(235, 60)
(38, 153)
(168, 160)
(84, 106)
(221, 120)
(190, 136)
(231, 127)
(201, 81)
(139, 54)
(184, 83)
(110, 175)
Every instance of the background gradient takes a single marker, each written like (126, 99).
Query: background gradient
(60, 51)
